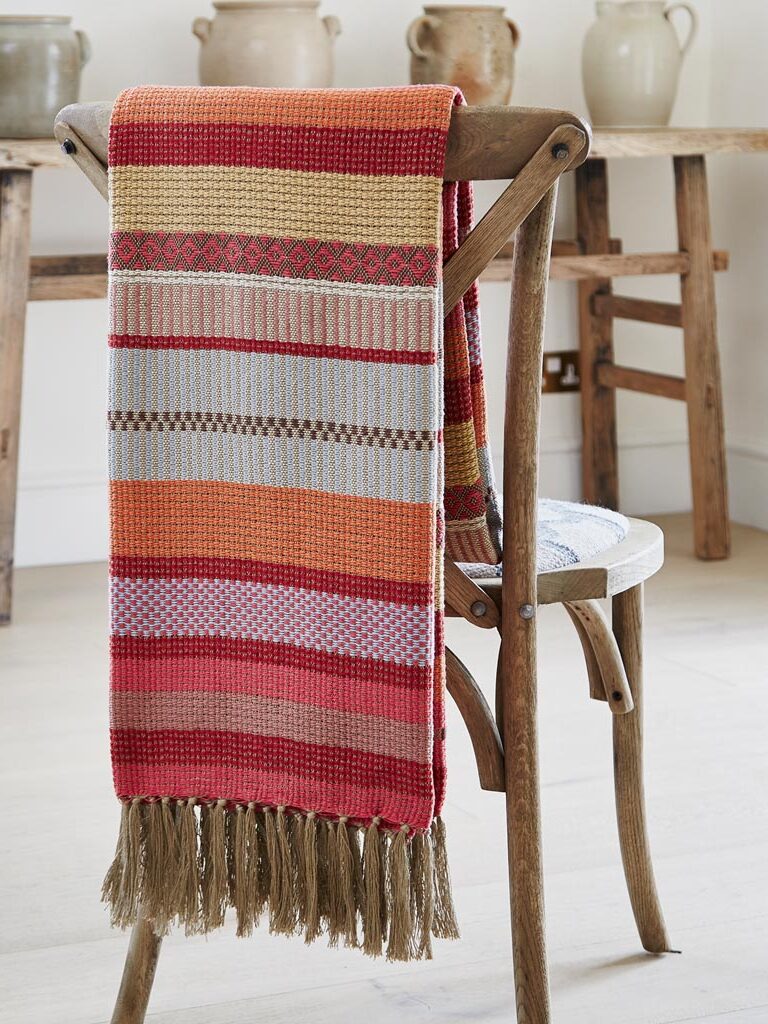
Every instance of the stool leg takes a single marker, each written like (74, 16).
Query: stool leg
(702, 364)
(15, 191)
(600, 475)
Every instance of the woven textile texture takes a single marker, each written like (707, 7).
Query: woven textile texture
(295, 438)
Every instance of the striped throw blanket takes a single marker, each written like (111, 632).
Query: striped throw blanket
(295, 439)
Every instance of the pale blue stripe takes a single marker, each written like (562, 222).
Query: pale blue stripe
(335, 467)
(258, 384)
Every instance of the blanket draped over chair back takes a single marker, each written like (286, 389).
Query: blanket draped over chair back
(295, 439)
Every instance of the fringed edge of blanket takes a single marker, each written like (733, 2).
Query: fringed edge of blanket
(368, 886)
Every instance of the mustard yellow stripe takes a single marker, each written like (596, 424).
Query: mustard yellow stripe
(461, 466)
(389, 210)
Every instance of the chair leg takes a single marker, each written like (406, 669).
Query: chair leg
(526, 881)
(628, 778)
(138, 974)
(517, 674)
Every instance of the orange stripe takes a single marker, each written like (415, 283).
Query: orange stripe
(388, 540)
(330, 108)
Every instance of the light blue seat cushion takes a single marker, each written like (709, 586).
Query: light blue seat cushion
(567, 533)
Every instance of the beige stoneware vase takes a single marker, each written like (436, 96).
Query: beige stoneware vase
(471, 47)
(40, 63)
(631, 62)
(267, 43)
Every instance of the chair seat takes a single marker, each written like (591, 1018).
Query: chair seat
(567, 533)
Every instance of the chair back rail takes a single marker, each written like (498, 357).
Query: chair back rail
(484, 143)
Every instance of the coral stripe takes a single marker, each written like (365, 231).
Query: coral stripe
(393, 108)
(142, 650)
(343, 533)
(219, 673)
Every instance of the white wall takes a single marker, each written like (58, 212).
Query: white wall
(739, 195)
(62, 495)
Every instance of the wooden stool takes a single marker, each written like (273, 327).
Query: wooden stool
(21, 280)
(595, 258)
(696, 314)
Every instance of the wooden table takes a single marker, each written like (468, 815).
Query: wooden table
(592, 260)
(595, 258)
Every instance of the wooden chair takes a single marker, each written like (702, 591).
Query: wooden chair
(533, 147)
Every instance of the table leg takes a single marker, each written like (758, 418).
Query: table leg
(598, 404)
(15, 190)
(702, 364)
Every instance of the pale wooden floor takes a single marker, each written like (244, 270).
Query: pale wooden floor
(707, 650)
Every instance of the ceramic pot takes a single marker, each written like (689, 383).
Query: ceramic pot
(472, 47)
(631, 62)
(40, 63)
(267, 43)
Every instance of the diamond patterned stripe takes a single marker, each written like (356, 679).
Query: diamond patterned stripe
(279, 257)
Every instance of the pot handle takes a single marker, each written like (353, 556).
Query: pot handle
(85, 46)
(412, 35)
(515, 33)
(332, 25)
(684, 47)
(201, 27)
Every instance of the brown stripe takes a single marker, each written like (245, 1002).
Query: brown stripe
(394, 438)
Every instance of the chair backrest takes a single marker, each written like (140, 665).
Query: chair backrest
(533, 147)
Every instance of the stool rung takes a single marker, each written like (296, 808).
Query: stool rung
(669, 314)
(67, 277)
(611, 376)
(584, 267)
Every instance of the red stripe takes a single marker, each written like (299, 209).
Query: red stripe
(292, 147)
(287, 348)
(269, 754)
(240, 650)
(277, 575)
(458, 401)
(301, 258)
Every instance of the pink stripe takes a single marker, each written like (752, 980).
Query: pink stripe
(354, 626)
(270, 716)
(264, 680)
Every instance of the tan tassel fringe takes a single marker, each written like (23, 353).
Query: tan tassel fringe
(445, 925)
(187, 893)
(399, 946)
(213, 865)
(374, 910)
(161, 860)
(348, 897)
(382, 889)
(311, 885)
